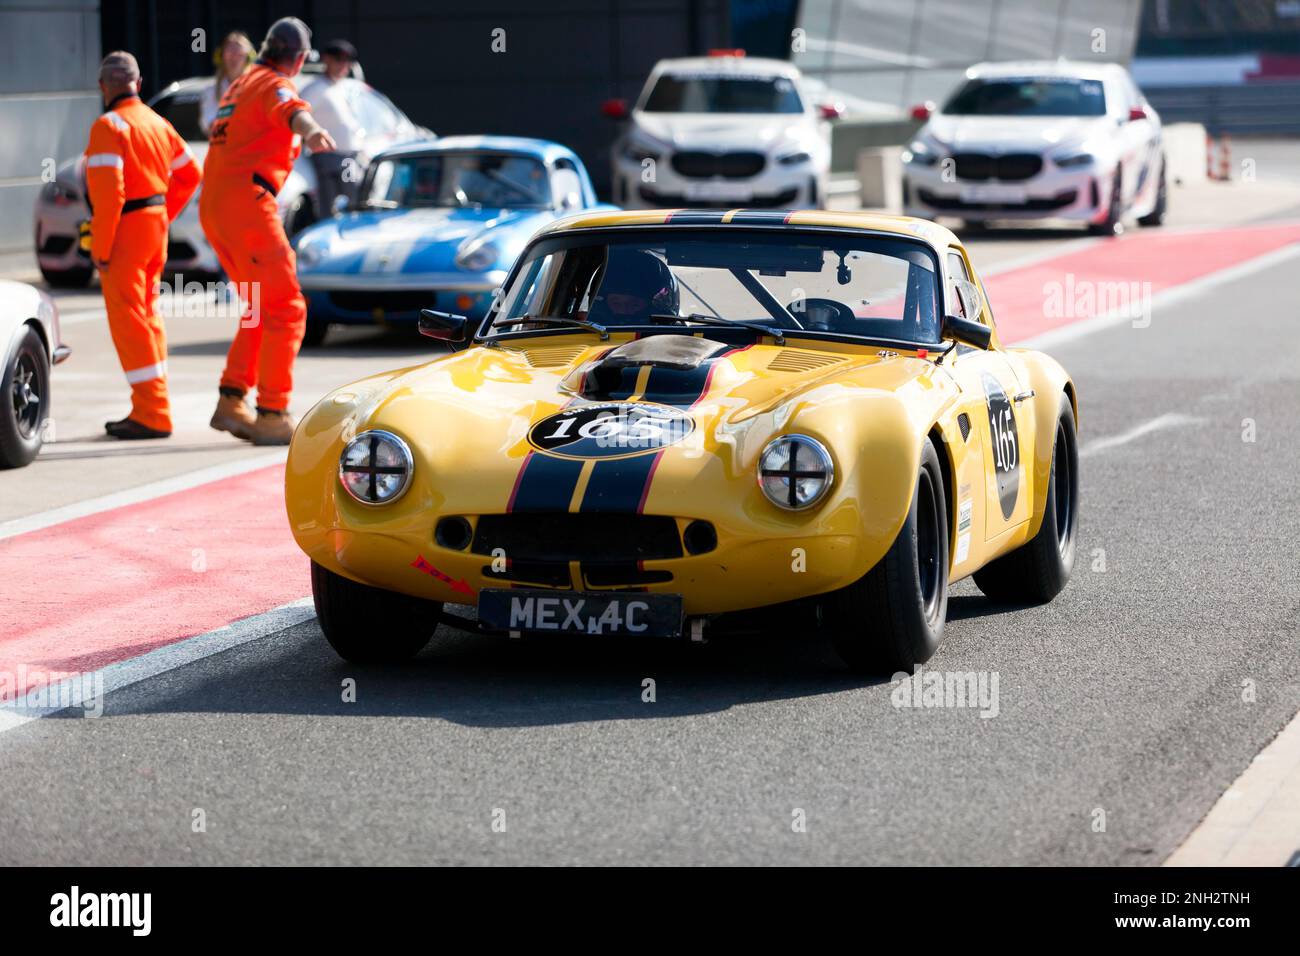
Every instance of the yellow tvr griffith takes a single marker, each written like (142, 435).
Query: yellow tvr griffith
(668, 417)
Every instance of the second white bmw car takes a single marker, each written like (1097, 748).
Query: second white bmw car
(723, 130)
(1056, 140)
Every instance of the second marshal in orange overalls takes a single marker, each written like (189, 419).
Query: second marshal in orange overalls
(252, 149)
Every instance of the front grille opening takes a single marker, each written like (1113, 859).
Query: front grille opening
(733, 165)
(1011, 167)
(552, 537)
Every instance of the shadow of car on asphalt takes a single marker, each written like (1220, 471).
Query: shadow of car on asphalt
(497, 682)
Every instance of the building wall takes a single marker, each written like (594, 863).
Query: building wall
(887, 55)
(49, 59)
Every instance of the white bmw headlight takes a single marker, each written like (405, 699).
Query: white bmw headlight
(795, 472)
(477, 255)
(375, 468)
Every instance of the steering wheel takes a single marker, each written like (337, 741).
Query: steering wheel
(823, 315)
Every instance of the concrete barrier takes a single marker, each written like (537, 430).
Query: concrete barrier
(1185, 153)
(880, 178)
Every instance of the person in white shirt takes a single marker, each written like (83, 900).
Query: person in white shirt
(332, 98)
(232, 58)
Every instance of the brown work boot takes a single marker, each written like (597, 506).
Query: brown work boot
(271, 428)
(233, 415)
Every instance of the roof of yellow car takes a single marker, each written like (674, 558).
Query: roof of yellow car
(876, 222)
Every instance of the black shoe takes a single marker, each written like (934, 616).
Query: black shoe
(129, 430)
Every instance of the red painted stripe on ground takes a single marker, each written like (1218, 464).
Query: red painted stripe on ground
(108, 587)
(1070, 288)
(111, 586)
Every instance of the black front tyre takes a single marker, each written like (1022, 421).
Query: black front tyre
(892, 618)
(1038, 570)
(314, 336)
(25, 388)
(1113, 224)
(1156, 216)
(368, 625)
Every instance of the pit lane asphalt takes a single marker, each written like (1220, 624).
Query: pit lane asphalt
(1125, 694)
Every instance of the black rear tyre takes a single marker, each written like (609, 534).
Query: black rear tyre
(892, 618)
(368, 625)
(1037, 571)
(25, 398)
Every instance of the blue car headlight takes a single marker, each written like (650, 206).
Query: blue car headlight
(310, 252)
(477, 255)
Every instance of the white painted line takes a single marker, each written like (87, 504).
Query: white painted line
(1065, 248)
(80, 692)
(1160, 300)
(82, 315)
(1168, 420)
(1256, 822)
(131, 496)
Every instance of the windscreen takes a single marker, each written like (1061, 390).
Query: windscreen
(1029, 97)
(496, 180)
(702, 93)
(798, 282)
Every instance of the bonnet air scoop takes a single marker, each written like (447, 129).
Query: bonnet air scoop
(663, 351)
(675, 363)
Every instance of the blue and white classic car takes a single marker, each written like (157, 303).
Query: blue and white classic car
(436, 225)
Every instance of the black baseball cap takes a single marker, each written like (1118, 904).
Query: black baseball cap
(340, 48)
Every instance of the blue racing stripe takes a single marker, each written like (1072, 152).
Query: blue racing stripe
(546, 483)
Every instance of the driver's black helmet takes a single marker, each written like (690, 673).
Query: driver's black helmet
(635, 272)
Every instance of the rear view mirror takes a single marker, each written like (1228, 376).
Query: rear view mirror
(442, 325)
(975, 334)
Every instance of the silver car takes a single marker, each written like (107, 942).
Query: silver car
(1055, 140)
(30, 344)
(61, 204)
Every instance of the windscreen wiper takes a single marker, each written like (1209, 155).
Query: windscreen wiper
(557, 320)
(718, 320)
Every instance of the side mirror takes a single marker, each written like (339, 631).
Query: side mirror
(921, 111)
(442, 325)
(615, 108)
(975, 334)
(1137, 113)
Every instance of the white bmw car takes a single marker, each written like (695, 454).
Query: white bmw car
(722, 130)
(1041, 141)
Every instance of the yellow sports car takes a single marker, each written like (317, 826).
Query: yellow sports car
(671, 416)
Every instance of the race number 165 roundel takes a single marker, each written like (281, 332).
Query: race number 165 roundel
(1006, 444)
(610, 430)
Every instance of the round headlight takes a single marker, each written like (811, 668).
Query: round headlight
(795, 471)
(375, 468)
(477, 256)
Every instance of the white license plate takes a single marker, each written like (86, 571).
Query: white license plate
(718, 192)
(993, 193)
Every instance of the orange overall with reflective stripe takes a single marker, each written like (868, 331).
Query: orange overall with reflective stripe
(251, 151)
(139, 176)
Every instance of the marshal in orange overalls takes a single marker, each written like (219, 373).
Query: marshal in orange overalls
(139, 176)
(252, 150)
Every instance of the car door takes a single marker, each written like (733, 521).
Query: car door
(997, 404)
